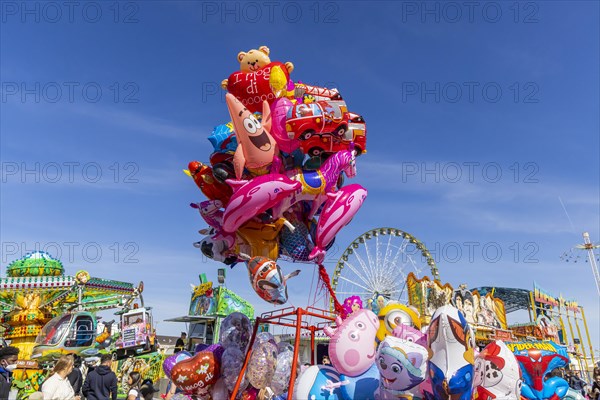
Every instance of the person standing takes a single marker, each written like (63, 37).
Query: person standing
(101, 383)
(134, 380)
(57, 387)
(76, 377)
(8, 363)
(180, 343)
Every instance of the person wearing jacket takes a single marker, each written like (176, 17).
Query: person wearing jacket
(8, 363)
(57, 387)
(75, 377)
(101, 383)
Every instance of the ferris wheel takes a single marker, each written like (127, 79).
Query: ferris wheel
(378, 262)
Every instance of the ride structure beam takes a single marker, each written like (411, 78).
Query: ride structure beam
(289, 317)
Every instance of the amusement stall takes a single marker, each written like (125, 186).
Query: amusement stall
(46, 313)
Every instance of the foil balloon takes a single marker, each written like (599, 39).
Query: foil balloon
(197, 374)
(352, 342)
(394, 315)
(338, 211)
(402, 365)
(261, 366)
(231, 365)
(181, 396)
(536, 364)
(235, 331)
(256, 196)
(170, 361)
(212, 188)
(364, 386)
(497, 374)
(267, 280)
(249, 393)
(256, 147)
(318, 382)
(451, 343)
(254, 86)
(279, 109)
(350, 305)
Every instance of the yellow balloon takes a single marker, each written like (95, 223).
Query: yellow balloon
(393, 315)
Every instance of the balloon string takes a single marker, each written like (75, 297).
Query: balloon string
(324, 276)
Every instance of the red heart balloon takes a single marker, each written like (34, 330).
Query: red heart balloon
(251, 88)
(197, 374)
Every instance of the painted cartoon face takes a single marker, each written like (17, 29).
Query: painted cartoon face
(401, 364)
(351, 348)
(257, 135)
(451, 343)
(497, 372)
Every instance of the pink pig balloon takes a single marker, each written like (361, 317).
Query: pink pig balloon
(352, 342)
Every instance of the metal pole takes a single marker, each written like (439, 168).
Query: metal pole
(587, 333)
(533, 306)
(582, 344)
(590, 248)
(570, 328)
(312, 345)
(299, 315)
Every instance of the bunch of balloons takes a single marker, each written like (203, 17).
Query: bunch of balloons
(390, 356)
(274, 182)
(212, 372)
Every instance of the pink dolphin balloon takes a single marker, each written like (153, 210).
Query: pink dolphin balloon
(251, 198)
(337, 213)
(352, 343)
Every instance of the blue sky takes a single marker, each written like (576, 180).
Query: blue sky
(132, 87)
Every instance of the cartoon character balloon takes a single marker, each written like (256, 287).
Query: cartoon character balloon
(197, 374)
(394, 317)
(267, 280)
(451, 343)
(350, 305)
(497, 374)
(402, 366)
(352, 342)
(535, 365)
(256, 147)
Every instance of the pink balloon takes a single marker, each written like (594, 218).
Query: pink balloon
(251, 198)
(279, 110)
(352, 342)
(339, 209)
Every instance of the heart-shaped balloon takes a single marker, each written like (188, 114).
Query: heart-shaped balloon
(170, 361)
(252, 88)
(197, 374)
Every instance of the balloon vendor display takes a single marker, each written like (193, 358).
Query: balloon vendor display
(274, 182)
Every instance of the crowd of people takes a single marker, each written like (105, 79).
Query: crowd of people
(67, 381)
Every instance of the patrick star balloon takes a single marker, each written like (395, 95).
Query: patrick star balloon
(352, 342)
(337, 213)
(256, 147)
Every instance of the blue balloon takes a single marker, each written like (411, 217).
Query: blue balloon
(363, 387)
